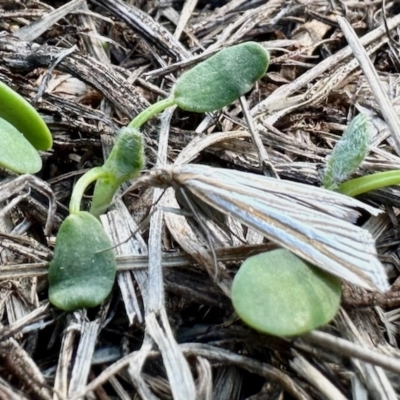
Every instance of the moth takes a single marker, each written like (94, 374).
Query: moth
(314, 223)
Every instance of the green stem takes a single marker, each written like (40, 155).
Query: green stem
(103, 195)
(150, 112)
(364, 184)
(83, 182)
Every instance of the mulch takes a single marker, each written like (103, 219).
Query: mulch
(89, 67)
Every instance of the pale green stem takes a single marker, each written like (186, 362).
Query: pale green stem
(150, 112)
(80, 187)
(103, 195)
(367, 183)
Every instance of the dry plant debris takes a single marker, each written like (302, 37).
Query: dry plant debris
(89, 67)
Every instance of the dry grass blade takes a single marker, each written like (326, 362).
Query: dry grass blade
(120, 227)
(350, 349)
(280, 97)
(310, 373)
(147, 27)
(264, 160)
(177, 367)
(34, 30)
(81, 367)
(187, 11)
(263, 369)
(381, 96)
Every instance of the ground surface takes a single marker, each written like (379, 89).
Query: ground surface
(89, 68)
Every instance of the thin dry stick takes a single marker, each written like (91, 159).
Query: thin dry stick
(263, 369)
(316, 378)
(177, 368)
(186, 13)
(35, 29)
(156, 293)
(134, 262)
(386, 107)
(265, 162)
(349, 349)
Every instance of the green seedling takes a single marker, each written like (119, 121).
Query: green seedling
(211, 85)
(346, 157)
(82, 272)
(215, 82)
(76, 276)
(22, 133)
(125, 161)
(279, 294)
(16, 153)
(19, 113)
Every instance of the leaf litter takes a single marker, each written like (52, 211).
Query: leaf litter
(170, 331)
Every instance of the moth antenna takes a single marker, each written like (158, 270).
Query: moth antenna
(140, 226)
(205, 230)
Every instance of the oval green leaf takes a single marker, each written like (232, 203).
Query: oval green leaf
(18, 112)
(82, 272)
(280, 294)
(16, 153)
(221, 79)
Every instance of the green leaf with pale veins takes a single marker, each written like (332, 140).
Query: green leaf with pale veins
(221, 79)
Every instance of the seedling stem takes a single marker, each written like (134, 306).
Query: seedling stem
(83, 182)
(364, 184)
(151, 111)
